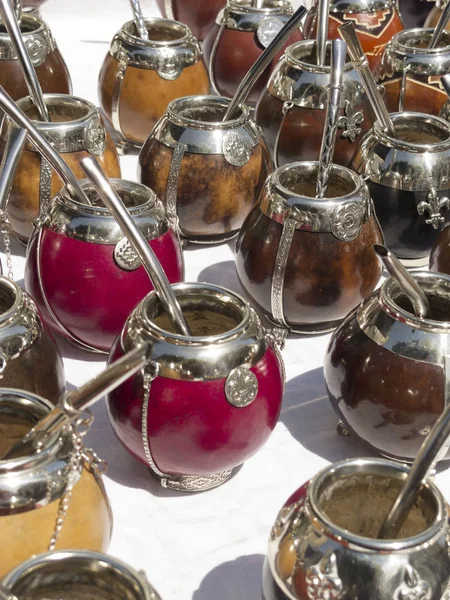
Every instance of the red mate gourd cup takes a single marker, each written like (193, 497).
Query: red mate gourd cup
(241, 33)
(199, 15)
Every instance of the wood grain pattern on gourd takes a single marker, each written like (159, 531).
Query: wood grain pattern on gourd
(299, 139)
(145, 95)
(214, 197)
(24, 200)
(433, 18)
(419, 96)
(440, 253)
(52, 74)
(374, 30)
(87, 525)
(325, 278)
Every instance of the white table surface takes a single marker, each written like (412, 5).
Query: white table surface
(207, 546)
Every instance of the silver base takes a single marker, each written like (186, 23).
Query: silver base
(415, 263)
(220, 239)
(193, 483)
(316, 329)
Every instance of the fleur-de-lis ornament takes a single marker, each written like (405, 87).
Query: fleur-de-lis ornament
(433, 207)
(413, 587)
(323, 581)
(350, 123)
(241, 387)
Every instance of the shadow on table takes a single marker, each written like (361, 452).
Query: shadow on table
(240, 578)
(69, 350)
(224, 274)
(309, 417)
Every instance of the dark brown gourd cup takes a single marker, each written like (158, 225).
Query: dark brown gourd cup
(306, 262)
(199, 15)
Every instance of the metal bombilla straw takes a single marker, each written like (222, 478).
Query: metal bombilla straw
(338, 54)
(43, 146)
(5, 594)
(138, 18)
(407, 283)
(33, 85)
(72, 404)
(440, 27)
(433, 449)
(263, 62)
(359, 59)
(322, 31)
(18, 9)
(148, 258)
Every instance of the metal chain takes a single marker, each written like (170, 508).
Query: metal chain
(5, 228)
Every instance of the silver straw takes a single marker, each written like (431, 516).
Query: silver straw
(143, 250)
(440, 27)
(407, 283)
(138, 18)
(12, 153)
(263, 62)
(322, 31)
(338, 54)
(33, 85)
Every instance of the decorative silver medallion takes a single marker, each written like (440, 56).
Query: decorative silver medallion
(37, 50)
(125, 256)
(413, 587)
(323, 581)
(236, 149)
(169, 66)
(241, 387)
(347, 221)
(350, 123)
(95, 137)
(284, 517)
(433, 207)
(268, 29)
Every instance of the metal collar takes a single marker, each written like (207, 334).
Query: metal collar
(298, 79)
(171, 48)
(70, 568)
(343, 216)
(242, 16)
(77, 125)
(188, 122)
(199, 358)
(360, 6)
(404, 53)
(33, 481)
(94, 223)
(36, 36)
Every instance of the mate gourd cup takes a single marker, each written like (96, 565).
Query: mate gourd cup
(385, 368)
(238, 38)
(306, 262)
(74, 241)
(375, 22)
(52, 499)
(45, 56)
(198, 15)
(75, 131)
(88, 574)
(29, 357)
(408, 179)
(139, 78)
(207, 172)
(411, 72)
(323, 543)
(292, 108)
(205, 403)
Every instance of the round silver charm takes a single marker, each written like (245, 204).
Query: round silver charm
(169, 67)
(95, 137)
(241, 387)
(268, 29)
(236, 149)
(37, 50)
(347, 221)
(125, 256)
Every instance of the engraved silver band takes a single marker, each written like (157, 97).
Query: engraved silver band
(172, 188)
(279, 271)
(287, 106)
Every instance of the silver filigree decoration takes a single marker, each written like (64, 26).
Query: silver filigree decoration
(125, 256)
(433, 207)
(95, 137)
(37, 50)
(236, 149)
(347, 221)
(350, 123)
(268, 28)
(323, 581)
(413, 587)
(241, 387)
